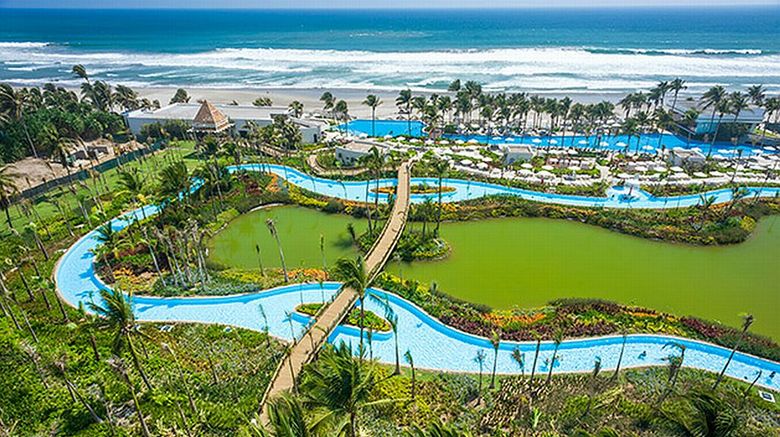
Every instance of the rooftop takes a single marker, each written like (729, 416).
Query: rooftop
(355, 146)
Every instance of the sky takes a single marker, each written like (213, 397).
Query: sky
(367, 4)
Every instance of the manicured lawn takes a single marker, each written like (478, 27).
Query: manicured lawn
(153, 164)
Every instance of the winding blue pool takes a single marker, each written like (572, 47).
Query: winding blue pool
(434, 345)
(617, 197)
(646, 143)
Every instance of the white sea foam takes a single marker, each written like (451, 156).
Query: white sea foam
(22, 45)
(558, 68)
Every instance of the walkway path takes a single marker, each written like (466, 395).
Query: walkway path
(329, 318)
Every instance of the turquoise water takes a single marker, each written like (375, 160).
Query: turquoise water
(433, 345)
(647, 143)
(616, 197)
(571, 50)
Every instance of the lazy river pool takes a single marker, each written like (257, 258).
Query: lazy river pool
(434, 345)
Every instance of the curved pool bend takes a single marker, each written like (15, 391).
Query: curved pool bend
(617, 197)
(434, 345)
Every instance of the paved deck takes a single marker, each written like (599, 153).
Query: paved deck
(301, 353)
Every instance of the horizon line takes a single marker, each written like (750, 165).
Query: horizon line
(757, 3)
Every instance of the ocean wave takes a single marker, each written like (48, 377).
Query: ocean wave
(22, 45)
(679, 52)
(549, 68)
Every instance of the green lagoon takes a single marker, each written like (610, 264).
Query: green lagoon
(299, 232)
(528, 262)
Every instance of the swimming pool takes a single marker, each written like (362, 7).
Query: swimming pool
(434, 345)
(616, 197)
(381, 128)
(646, 143)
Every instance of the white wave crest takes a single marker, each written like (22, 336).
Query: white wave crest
(22, 45)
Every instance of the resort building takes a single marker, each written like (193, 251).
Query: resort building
(707, 124)
(686, 157)
(351, 153)
(207, 117)
(519, 152)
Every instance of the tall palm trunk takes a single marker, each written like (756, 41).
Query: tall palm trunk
(136, 362)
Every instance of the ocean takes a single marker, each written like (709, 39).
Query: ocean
(555, 50)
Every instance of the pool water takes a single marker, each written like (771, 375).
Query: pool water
(646, 143)
(433, 345)
(381, 128)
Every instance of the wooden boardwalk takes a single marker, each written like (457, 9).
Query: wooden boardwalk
(301, 353)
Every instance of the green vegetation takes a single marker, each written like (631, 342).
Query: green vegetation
(373, 321)
(357, 396)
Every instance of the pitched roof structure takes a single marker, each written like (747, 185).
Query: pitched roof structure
(210, 119)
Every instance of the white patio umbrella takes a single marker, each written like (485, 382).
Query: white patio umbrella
(545, 174)
(582, 143)
(482, 166)
(677, 169)
(621, 144)
(648, 148)
(553, 141)
(699, 174)
(536, 141)
(387, 137)
(604, 144)
(547, 167)
(473, 141)
(466, 162)
(526, 165)
(659, 169)
(460, 142)
(770, 148)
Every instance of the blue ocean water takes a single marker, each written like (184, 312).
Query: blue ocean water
(583, 50)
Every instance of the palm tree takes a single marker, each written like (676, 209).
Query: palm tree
(706, 416)
(757, 94)
(440, 167)
(495, 341)
(327, 100)
(8, 189)
(620, 357)
(296, 109)
(133, 183)
(675, 364)
(116, 312)
(712, 99)
(519, 357)
(372, 102)
(557, 339)
(536, 357)
(121, 370)
(404, 101)
(61, 368)
(436, 429)
(410, 361)
(392, 319)
(13, 105)
(480, 360)
(180, 96)
(342, 386)
(272, 229)
(747, 321)
(355, 276)
(80, 71)
(676, 86)
(287, 417)
(738, 102)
